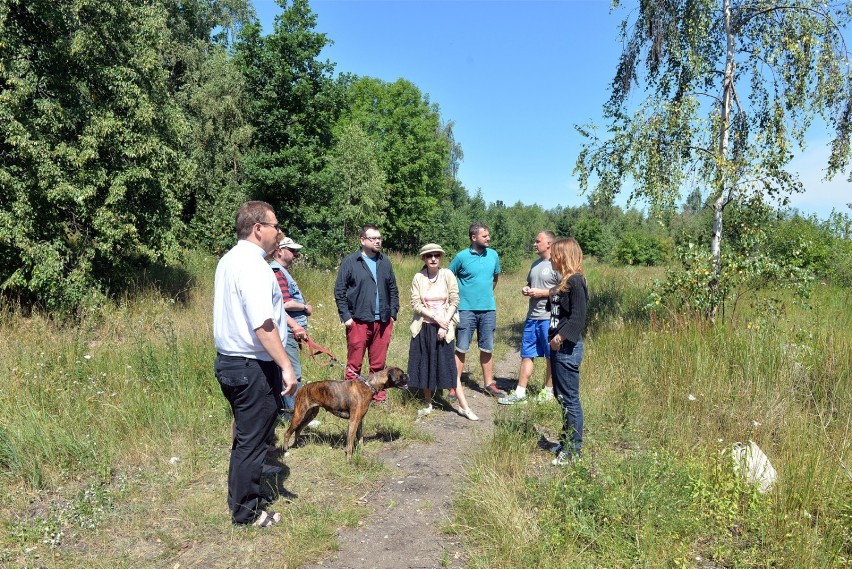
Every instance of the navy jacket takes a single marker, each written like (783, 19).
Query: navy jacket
(355, 289)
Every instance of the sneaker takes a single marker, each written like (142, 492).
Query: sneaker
(556, 449)
(494, 391)
(564, 458)
(544, 396)
(511, 399)
(423, 412)
(313, 424)
(452, 395)
(468, 413)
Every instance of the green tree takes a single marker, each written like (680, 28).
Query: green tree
(416, 152)
(220, 135)
(589, 232)
(357, 193)
(731, 128)
(292, 104)
(209, 87)
(94, 171)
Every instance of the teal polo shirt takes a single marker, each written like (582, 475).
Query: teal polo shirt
(475, 273)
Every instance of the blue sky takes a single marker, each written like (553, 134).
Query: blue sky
(514, 76)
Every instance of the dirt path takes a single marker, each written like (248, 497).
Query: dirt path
(412, 505)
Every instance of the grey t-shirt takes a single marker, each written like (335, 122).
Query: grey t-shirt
(541, 275)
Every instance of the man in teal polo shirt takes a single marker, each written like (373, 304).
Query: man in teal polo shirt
(476, 269)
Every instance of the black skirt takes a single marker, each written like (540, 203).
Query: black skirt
(431, 363)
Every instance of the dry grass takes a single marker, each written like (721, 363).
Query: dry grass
(114, 439)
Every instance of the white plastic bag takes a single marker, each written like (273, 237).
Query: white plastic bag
(752, 463)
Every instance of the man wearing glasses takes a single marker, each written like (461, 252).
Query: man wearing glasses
(368, 302)
(249, 330)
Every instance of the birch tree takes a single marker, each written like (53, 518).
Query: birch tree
(730, 89)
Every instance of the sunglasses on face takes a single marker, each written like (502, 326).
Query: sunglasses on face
(432, 256)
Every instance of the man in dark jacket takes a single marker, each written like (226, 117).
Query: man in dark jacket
(367, 301)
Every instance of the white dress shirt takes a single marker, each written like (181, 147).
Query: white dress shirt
(246, 294)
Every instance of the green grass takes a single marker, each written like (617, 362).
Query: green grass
(663, 405)
(114, 438)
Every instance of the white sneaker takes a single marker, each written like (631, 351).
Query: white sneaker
(423, 412)
(468, 413)
(544, 396)
(564, 458)
(511, 399)
(313, 424)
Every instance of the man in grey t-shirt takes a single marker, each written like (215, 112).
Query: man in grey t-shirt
(534, 343)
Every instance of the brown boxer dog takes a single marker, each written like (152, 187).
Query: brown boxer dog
(345, 399)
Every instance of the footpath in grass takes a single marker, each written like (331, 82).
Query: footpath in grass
(410, 510)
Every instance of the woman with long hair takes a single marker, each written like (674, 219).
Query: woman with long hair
(431, 359)
(568, 302)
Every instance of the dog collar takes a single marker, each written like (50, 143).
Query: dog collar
(367, 383)
(362, 379)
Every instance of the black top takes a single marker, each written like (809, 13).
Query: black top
(568, 310)
(355, 289)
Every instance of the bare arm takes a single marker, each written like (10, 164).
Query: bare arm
(298, 331)
(295, 305)
(535, 292)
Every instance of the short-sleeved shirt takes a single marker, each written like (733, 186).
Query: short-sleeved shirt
(246, 294)
(475, 273)
(290, 291)
(541, 275)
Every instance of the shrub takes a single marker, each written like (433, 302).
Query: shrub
(640, 248)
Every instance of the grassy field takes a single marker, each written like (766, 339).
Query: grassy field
(115, 438)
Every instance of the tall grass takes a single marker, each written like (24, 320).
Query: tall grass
(663, 406)
(118, 414)
(114, 438)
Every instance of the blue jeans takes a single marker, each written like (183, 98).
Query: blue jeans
(292, 350)
(483, 322)
(565, 365)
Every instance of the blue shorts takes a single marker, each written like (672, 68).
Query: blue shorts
(484, 322)
(534, 344)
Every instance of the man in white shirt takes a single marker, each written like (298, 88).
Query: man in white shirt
(249, 329)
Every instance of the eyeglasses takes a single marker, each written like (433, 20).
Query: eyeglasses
(379, 238)
(277, 226)
(432, 256)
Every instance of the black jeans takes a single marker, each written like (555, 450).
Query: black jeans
(248, 386)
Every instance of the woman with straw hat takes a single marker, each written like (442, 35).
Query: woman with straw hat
(431, 360)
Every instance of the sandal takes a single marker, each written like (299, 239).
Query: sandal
(265, 519)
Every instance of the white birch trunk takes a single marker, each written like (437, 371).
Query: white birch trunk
(724, 179)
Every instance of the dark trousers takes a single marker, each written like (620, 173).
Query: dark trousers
(248, 384)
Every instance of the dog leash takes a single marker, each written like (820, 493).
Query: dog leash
(315, 350)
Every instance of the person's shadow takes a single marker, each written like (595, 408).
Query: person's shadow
(507, 384)
(275, 474)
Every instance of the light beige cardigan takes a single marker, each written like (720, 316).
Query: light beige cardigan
(419, 285)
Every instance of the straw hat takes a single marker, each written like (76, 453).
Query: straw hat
(431, 248)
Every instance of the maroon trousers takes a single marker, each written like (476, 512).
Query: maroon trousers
(372, 338)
